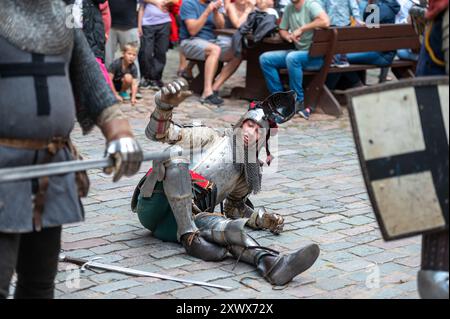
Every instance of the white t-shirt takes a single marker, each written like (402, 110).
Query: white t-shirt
(77, 12)
(403, 14)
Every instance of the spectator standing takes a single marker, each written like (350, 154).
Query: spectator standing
(124, 29)
(198, 42)
(89, 16)
(154, 25)
(299, 20)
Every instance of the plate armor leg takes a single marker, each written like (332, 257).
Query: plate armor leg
(178, 189)
(276, 269)
(433, 277)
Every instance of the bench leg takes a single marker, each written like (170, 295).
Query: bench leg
(403, 73)
(328, 103)
(197, 84)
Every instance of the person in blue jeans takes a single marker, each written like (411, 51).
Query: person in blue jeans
(300, 18)
(388, 11)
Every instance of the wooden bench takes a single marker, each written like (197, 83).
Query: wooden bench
(326, 43)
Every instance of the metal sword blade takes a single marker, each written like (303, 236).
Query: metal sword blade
(134, 272)
(14, 174)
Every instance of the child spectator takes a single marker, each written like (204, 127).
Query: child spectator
(154, 25)
(124, 75)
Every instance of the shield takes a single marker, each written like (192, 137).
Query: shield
(402, 139)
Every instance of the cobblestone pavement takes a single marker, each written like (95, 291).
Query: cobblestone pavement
(318, 188)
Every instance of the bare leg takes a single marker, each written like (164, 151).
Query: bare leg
(211, 65)
(227, 71)
(127, 82)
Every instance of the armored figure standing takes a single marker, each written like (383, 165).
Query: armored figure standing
(433, 278)
(179, 196)
(48, 77)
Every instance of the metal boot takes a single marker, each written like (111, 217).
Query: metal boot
(276, 269)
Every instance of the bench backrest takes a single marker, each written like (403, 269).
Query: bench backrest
(388, 37)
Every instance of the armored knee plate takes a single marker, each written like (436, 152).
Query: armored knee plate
(223, 231)
(178, 189)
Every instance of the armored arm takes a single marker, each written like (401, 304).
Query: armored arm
(161, 128)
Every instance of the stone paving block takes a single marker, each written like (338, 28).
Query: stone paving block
(356, 230)
(83, 244)
(329, 219)
(307, 208)
(172, 262)
(353, 265)
(107, 277)
(192, 293)
(117, 285)
(334, 226)
(310, 215)
(333, 283)
(413, 262)
(109, 248)
(338, 257)
(72, 286)
(335, 246)
(208, 275)
(364, 250)
(159, 287)
(165, 253)
(358, 220)
(384, 257)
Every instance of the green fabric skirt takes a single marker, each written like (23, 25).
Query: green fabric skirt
(156, 215)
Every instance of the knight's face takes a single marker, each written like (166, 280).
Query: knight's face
(251, 132)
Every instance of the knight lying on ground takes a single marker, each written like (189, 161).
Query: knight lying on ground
(178, 197)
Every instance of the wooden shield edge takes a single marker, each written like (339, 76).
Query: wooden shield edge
(415, 82)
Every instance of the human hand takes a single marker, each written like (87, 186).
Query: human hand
(118, 97)
(297, 34)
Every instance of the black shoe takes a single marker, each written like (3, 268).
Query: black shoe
(305, 113)
(198, 247)
(145, 84)
(213, 99)
(154, 85)
(280, 270)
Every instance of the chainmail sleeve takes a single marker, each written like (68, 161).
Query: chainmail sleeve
(91, 91)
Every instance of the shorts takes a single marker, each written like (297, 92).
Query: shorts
(194, 48)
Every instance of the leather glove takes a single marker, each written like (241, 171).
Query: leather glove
(173, 94)
(271, 221)
(122, 148)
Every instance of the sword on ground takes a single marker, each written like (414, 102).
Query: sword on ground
(14, 174)
(133, 272)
